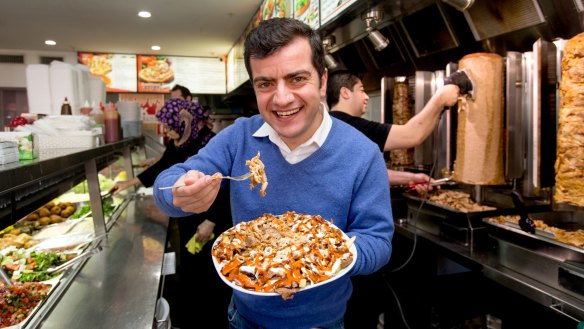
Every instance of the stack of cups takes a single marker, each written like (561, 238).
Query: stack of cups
(131, 119)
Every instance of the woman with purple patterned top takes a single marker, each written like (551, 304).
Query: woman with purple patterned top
(187, 125)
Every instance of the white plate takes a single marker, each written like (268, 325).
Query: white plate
(341, 273)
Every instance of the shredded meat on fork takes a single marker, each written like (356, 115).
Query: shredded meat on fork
(258, 174)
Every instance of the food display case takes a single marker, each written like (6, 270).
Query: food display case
(107, 257)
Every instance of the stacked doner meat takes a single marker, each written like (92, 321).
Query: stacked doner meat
(479, 138)
(569, 165)
(401, 115)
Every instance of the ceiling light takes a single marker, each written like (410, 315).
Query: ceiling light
(50, 42)
(371, 18)
(144, 14)
(378, 40)
(327, 43)
(155, 47)
(461, 5)
(330, 61)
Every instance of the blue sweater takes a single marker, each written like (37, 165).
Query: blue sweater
(344, 181)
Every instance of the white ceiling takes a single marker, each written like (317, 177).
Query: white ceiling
(198, 28)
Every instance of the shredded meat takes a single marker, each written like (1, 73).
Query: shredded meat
(258, 173)
(283, 253)
(460, 201)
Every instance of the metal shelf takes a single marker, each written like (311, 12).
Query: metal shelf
(27, 185)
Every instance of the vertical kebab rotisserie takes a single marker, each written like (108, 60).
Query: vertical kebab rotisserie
(479, 146)
(569, 166)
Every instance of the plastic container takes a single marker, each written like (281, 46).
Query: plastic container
(69, 139)
(131, 128)
(66, 108)
(129, 111)
(86, 109)
(162, 315)
(112, 124)
(8, 158)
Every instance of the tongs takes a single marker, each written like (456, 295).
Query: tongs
(106, 195)
(525, 223)
(80, 257)
(5, 277)
(438, 182)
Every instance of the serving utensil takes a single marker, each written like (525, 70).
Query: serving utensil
(238, 178)
(438, 182)
(5, 277)
(75, 260)
(525, 223)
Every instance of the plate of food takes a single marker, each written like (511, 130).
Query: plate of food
(283, 255)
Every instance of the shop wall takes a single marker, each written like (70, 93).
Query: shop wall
(14, 75)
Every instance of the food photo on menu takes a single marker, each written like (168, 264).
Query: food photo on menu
(307, 11)
(301, 7)
(99, 65)
(271, 9)
(155, 73)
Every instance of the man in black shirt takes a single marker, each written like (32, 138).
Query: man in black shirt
(348, 102)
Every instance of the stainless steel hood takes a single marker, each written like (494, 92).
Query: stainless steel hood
(426, 35)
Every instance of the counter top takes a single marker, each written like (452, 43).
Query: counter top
(488, 261)
(119, 287)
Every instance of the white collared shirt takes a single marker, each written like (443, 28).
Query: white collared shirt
(304, 150)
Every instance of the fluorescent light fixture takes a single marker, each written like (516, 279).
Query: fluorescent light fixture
(145, 14)
(330, 62)
(155, 47)
(328, 42)
(371, 18)
(50, 42)
(378, 40)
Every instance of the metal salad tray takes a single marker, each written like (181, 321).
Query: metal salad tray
(540, 255)
(465, 228)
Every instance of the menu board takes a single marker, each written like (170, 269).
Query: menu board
(330, 9)
(158, 74)
(274, 8)
(307, 11)
(118, 71)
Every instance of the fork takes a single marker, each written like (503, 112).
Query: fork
(238, 178)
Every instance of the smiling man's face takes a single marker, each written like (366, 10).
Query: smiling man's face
(288, 91)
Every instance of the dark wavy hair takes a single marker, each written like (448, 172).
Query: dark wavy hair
(184, 91)
(336, 81)
(273, 34)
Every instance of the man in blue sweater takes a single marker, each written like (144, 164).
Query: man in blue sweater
(315, 165)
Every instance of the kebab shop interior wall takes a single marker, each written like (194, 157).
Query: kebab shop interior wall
(13, 75)
(13, 93)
